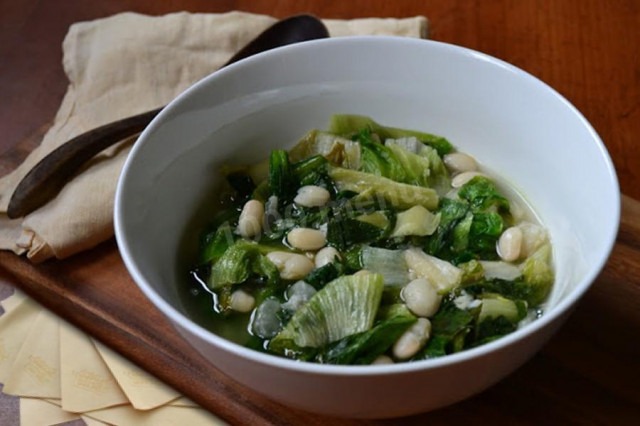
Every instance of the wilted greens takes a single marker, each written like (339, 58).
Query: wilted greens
(370, 244)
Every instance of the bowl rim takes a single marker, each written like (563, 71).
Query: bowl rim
(186, 323)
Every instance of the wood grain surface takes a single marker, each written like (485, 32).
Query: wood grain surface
(588, 50)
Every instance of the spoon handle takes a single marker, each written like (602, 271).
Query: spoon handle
(46, 179)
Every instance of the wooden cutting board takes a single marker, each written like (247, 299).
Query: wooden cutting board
(589, 373)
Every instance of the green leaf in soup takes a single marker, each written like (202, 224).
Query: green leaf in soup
(216, 243)
(365, 347)
(238, 262)
(379, 160)
(345, 306)
(449, 324)
(319, 277)
(460, 234)
(347, 125)
(400, 195)
(311, 171)
(451, 212)
(484, 232)
(343, 232)
(483, 196)
(439, 178)
(417, 168)
(390, 264)
(281, 177)
(337, 150)
(538, 274)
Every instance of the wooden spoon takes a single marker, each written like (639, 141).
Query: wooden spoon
(45, 180)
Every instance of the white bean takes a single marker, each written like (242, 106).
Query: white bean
(463, 178)
(533, 236)
(292, 266)
(312, 196)
(510, 244)
(382, 359)
(421, 298)
(306, 239)
(250, 222)
(241, 301)
(412, 340)
(459, 162)
(326, 256)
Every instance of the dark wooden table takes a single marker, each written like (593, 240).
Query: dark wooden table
(588, 50)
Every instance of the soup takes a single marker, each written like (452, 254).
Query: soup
(368, 244)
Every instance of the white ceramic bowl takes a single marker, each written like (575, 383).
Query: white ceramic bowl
(512, 122)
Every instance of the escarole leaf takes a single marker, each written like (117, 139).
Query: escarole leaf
(238, 262)
(337, 150)
(347, 125)
(483, 196)
(378, 159)
(346, 306)
(449, 328)
(417, 168)
(439, 178)
(440, 273)
(390, 263)
(538, 274)
(400, 195)
(216, 243)
(415, 221)
(311, 171)
(343, 231)
(365, 347)
(281, 178)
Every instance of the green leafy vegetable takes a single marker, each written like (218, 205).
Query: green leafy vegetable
(345, 306)
(538, 274)
(390, 263)
(337, 150)
(400, 195)
(417, 168)
(416, 221)
(365, 347)
(281, 178)
(448, 325)
(216, 243)
(378, 159)
(347, 125)
(311, 171)
(238, 262)
(483, 195)
(319, 277)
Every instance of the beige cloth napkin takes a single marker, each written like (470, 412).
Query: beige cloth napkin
(117, 67)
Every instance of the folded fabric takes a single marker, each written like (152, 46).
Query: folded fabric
(121, 66)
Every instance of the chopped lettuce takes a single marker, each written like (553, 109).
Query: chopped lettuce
(415, 221)
(417, 168)
(216, 243)
(281, 177)
(345, 306)
(449, 328)
(400, 195)
(390, 263)
(365, 347)
(338, 150)
(380, 160)
(483, 196)
(440, 273)
(538, 274)
(239, 262)
(347, 125)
